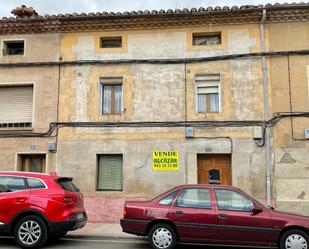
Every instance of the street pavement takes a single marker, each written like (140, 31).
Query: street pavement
(97, 244)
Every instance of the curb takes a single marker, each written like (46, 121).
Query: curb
(106, 238)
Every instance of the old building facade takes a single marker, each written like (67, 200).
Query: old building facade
(110, 90)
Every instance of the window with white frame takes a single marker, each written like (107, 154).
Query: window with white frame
(111, 89)
(207, 93)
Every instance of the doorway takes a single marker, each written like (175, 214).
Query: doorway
(33, 163)
(214, 169)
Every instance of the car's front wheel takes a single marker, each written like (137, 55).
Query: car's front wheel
(294, 239)
(162, 236)
(30, 232)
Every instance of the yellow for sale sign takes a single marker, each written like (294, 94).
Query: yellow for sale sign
(165, 160)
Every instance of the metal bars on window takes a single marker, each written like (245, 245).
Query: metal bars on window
(207, 93)
(202, 39)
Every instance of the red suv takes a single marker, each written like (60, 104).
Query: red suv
(35, 206)
(212, 214)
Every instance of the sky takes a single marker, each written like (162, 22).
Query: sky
(85, 6)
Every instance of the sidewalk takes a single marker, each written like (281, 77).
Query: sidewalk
(101, 230)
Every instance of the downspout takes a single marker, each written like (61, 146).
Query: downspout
(266, 111)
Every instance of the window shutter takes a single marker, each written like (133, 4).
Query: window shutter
(111, 80)
(208, 83)
(110, 175)
(207, 92)
(16, 104)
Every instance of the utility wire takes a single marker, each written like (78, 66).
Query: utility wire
(156, 61)
(54, 126)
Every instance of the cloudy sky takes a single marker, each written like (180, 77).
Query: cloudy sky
(79, 6)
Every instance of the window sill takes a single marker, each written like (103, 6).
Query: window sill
(12, 55)
(108, 193)
(112, 50)
(207, 113)
(17, 129)
(207, 47)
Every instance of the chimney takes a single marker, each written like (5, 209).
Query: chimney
(24, 12)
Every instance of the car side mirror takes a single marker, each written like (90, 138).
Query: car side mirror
(256, 210)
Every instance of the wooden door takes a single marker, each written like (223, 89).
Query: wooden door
(33, 163)
(214, 169)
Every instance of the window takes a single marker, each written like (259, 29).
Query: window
(110, 175)
(194, 198)
(111, 95)
(214, 176)
(33, 163)
(11, 184)
(207, 93)
(16, 106)
(167, 200)
(111, 42)
(13, 48)
(202, 39)
(35, 183)
(233, 201)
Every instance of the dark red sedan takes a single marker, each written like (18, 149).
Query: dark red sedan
(212, 214)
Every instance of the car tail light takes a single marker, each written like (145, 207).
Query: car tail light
(124, 211)
(67, 199)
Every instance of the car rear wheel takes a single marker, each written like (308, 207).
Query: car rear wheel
(162, 236)
(30, 232)
(294, 239)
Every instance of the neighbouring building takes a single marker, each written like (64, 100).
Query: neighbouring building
(103, 97)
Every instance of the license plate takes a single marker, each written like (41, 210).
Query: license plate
(80, 216)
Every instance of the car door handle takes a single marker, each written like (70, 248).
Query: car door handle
(222, 216)
(19, 200)
(178, 213)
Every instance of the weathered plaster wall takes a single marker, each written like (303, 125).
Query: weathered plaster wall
(11, 148)
(240, 87)
(39, 47)
(158, 93)
(78, 158)
(158, 44)
(292, 179)
(289, 92)
(45, 99)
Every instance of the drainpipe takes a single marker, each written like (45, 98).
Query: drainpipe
(266, 111)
